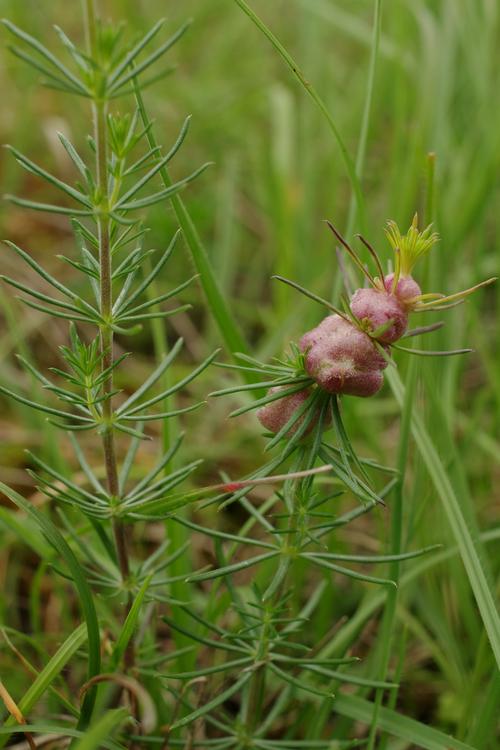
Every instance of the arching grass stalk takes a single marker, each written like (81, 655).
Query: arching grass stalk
(310, 89)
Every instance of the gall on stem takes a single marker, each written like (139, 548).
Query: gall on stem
(347, 352)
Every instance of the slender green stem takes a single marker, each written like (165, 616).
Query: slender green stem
(103, 224)
(105, 305)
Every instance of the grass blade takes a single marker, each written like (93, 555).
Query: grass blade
(102, 729)
(79, 578)
(45, 678)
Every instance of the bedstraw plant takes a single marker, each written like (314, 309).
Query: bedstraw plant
(220, 656)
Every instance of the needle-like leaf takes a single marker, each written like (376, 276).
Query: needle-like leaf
(157, 167)
(117, 82)
(46, 54)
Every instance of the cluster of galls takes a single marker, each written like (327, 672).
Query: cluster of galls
(348, 351)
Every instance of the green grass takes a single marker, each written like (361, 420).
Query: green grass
(332, 121)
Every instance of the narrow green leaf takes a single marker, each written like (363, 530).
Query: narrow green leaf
(218, 668)
(153, 378)
(76, 159)
(228, 569)
(265, 384)
(138, 69)
(40, 296)
(158, 489)
(57, 313)
(349, 678)
(173, 389)
(42, 407)
(129, 460)
(92, 497)
(269, 398)
(161, 297)
(53, 80)
(46, 53)
(430, 353)
(159, 165)
(98, 487)
(372, 558)
(141, 163)
(348, 572)
(47, 207)
(82, 60)
(129, 625)
(211, 643)
(150, 200)
(152, 316)
(136, 50)
(41, 271)
(48, 674)
(214, 703)
(301, 684)
(311, 295)
(224, 534)
(33, 168)
(163, 414)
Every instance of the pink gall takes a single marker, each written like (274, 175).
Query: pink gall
(380, 309)
(274, 415)
(343, 359)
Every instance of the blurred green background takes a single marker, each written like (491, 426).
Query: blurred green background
(259, 210)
